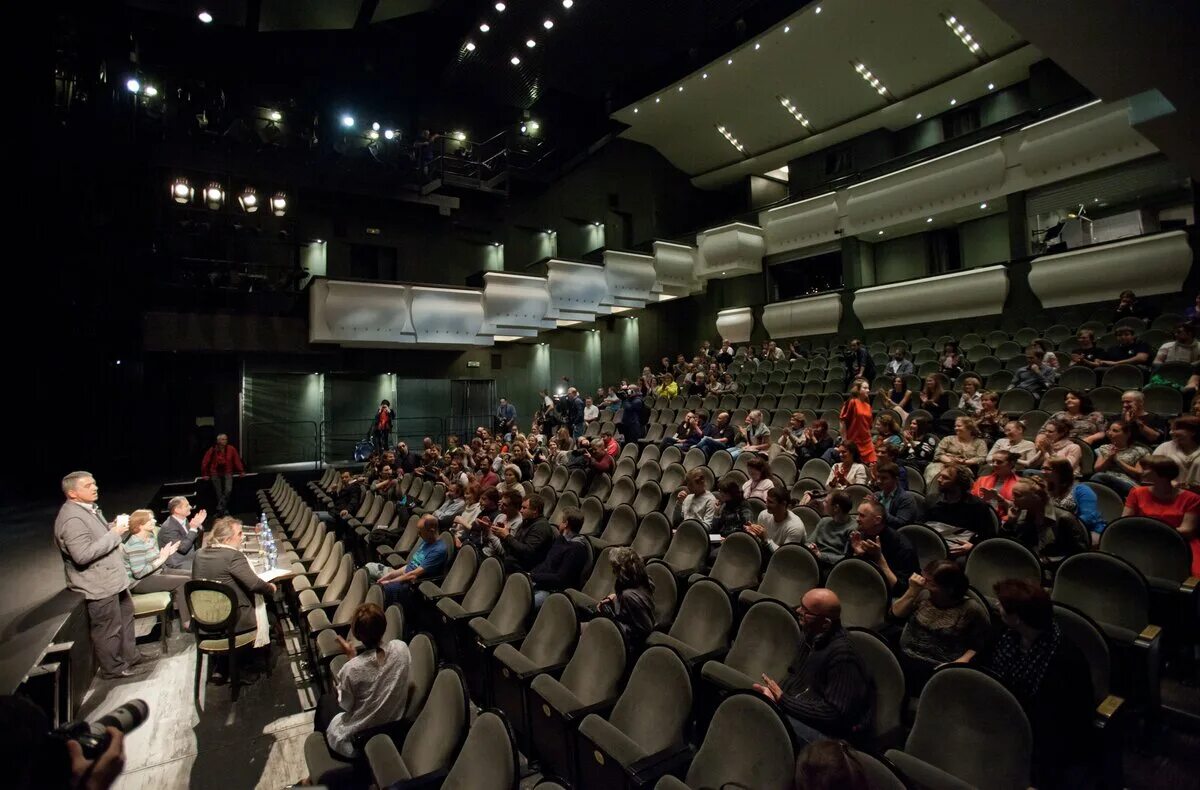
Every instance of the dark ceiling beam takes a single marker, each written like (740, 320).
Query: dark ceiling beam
(366, 12)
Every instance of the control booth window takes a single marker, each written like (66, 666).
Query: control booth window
(806, 276)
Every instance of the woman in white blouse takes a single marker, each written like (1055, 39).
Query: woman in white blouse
(759, 482)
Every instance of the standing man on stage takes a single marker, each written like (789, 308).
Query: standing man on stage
(95, 568)
(220, 463)
(381, 430)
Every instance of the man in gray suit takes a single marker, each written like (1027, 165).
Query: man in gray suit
(95, 568)
(177, 528)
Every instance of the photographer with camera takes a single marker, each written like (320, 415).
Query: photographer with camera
(95, 568)
(631, 414)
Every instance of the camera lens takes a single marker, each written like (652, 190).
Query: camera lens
(128, 717)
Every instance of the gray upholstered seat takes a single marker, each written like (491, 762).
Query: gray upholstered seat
(791, 572)
(702, 625)
(688, 549)
(997, 559)
(963, 713)
(480, 597)
(599, 583)
(648, 720)
(435, 738)
(488, 760)
(862, 590)
(653, 536)
(621, 527)
(666, 593)
(649, 498)
(887, 678)
(505, 623)
(738, 563)
(766, 643)
(927, 541)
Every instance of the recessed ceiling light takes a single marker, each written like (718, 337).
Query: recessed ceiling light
(375, 126)
(150, 90)
(568, 3)
(534, 125)
(757, 45)
(529, 42)
(991, 86)
(732, 141)
(484, 27)
(500, 7)
(787, 28)
(549, 23)
(880, 233)
(275, 115)
(515, 60)
(657, 99)
(794, 111)
(704, 76)
(953, 102)
(635, 110)
(818, 9)
(389, 134)
(920, 116)
(982, 205)
(680, 89)
(964, 35)
(871, 79)
(470, 46)
(132, 85)
(347, 121)
(205, 17)
(928, 220)
(729, 62)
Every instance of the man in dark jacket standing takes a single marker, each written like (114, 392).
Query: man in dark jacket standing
(575, 413)
(827, 692)
(562, 568)
(526, 545)
(631, 415)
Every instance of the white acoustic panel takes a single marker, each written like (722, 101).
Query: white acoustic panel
(576, 290)
(735, 324)
(803, 224)
(1149, 265)
(730, 251)
(448, 316)
(966, 294)
(515, 304)
(674, 268)
(359, 313)
(1088, 139)
(947, 182)
(812, 315)
(630, 279)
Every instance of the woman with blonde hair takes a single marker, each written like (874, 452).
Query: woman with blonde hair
(962, 447)
(145, 564)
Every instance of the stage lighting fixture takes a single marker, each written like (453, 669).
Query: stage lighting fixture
(279, 204)
(757, 46)
(389, 134)
(548, 24)
(500, 8)
(470, 46)
(680, 89)
(704, 76)
(515, 60)
(460, 136)
(205, 17)
(348, 121)
(635, 110)
(214, 196)
(375, 126)
(132, 85)
(568, 3)
(982, 206)
(928, 220)
(534, 125)
(920, 116)
(524, 128)
(181, 191)
(275, 115)
(818, 9)
(372, 135)
(150, 91)
(529, 42)
(484, 27)
(787, 28)
(953, 102)
(248, 200)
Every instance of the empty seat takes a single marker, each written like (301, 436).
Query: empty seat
(996, 559)
(748, 744)
(862, 591)
(557, 705)
(623, 492)
(702, 625)
(887, 681)
(720, 462)
(626, 467)
(928, 542)
(815, 469)
(766, 643)
(435, 737)
(599, 583)
(653, 536)
(649, 470)
(504, 623)
(541, 475)
(649, 498)
(738, 563)
(791, 572)
(453, 615)
(647, 722)
(672, 477)
(689, 548)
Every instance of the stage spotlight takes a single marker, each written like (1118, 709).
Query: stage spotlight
(500, 8)
(372, 135)
(484, 27)
(389, 134)
(279, 204)
(529, 42)
(515, 60)
(375, 126)
(248, 200)
(568, 3)
(534, 125)
(470, 46)
(275, 115)
(181, 191)
(348, 121)
(132, 85)
(548, 24)
(524, 128)
(205, 17)
(150, 91)
(214, 196)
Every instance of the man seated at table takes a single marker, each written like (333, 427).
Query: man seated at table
(222, 561)
(827, 692)
(427, 559)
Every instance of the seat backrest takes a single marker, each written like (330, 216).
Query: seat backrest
(553, 634)
(600, 582)
(927, 541)
(408, 538)
(354, 597)
(462, 572)
(653, 536)
(648, 470)
(887, 678)
(720, 462)
(862, 590)
(421, 670)
(485, 588)
(488, 760)
(440, 729)
(693, 458)
(1151, 546)
(576, 481)
(649, 498)
(1106, 588)
(656, 703)
(623, 492)
(1083, 632)
(622, 526)
(766, 643)
(996, 559)
(511, 609)
(665, 595)
(704, 618)
(559, 477)
(816, 469)
(672, 477)
(597, 664)
(593, 515)
(689, 547)
(670, 455)
(436, 497)
(962, 714)
(880, 775)
(341, 580)
(739, 561)
(541, 475)
(748, 744)
(791, 572)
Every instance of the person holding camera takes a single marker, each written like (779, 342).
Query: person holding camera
(95, 568)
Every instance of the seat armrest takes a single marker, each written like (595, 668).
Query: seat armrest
(327, 606)
(427, 782)
(1149, 635)
(507, 639)
(602, 709)
(1189, 584)
(1108, 709)
(648, 770)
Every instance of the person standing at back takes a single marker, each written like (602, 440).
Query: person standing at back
(95, 568)
(220, 463)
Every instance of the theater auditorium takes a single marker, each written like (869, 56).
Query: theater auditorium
(604, 395)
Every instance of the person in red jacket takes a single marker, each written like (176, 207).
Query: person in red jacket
(220, 463)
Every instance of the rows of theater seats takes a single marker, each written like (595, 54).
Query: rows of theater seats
(592, 720)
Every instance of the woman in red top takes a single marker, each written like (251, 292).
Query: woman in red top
(856, 420)
(1160, 499)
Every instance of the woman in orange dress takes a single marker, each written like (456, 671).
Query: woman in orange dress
(856, 420)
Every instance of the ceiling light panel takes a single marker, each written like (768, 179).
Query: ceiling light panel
(969, 41)
(732, 140)
(795, 112)
(871, 79)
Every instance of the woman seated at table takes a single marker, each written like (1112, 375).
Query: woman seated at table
(222, 561)
(941, 622)
(371, 688)
(145, 564)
